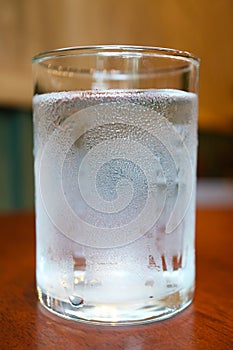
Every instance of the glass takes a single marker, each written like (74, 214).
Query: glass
(115, 143)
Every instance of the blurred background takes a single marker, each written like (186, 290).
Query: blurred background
(27, 27)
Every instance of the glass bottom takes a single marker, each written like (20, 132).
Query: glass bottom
(119, 314)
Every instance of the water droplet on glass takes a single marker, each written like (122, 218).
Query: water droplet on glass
(152, 264)
(149, 283)
(94, 282)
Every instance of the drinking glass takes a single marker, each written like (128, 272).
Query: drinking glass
(115, 144)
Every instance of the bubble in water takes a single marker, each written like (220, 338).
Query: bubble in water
(76, 300)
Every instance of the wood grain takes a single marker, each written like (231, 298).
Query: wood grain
(206, 324)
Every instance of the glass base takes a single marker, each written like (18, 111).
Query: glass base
(119, 314)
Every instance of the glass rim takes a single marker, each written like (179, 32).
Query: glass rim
(117, 50)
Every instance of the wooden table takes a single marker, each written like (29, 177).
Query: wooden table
(206, 324)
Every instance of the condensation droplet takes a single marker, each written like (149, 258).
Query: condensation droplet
(94, 282)
(152, 264)
(149, 283)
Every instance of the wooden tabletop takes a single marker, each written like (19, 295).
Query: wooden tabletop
(206, 324)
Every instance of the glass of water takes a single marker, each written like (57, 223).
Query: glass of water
(115, 144)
